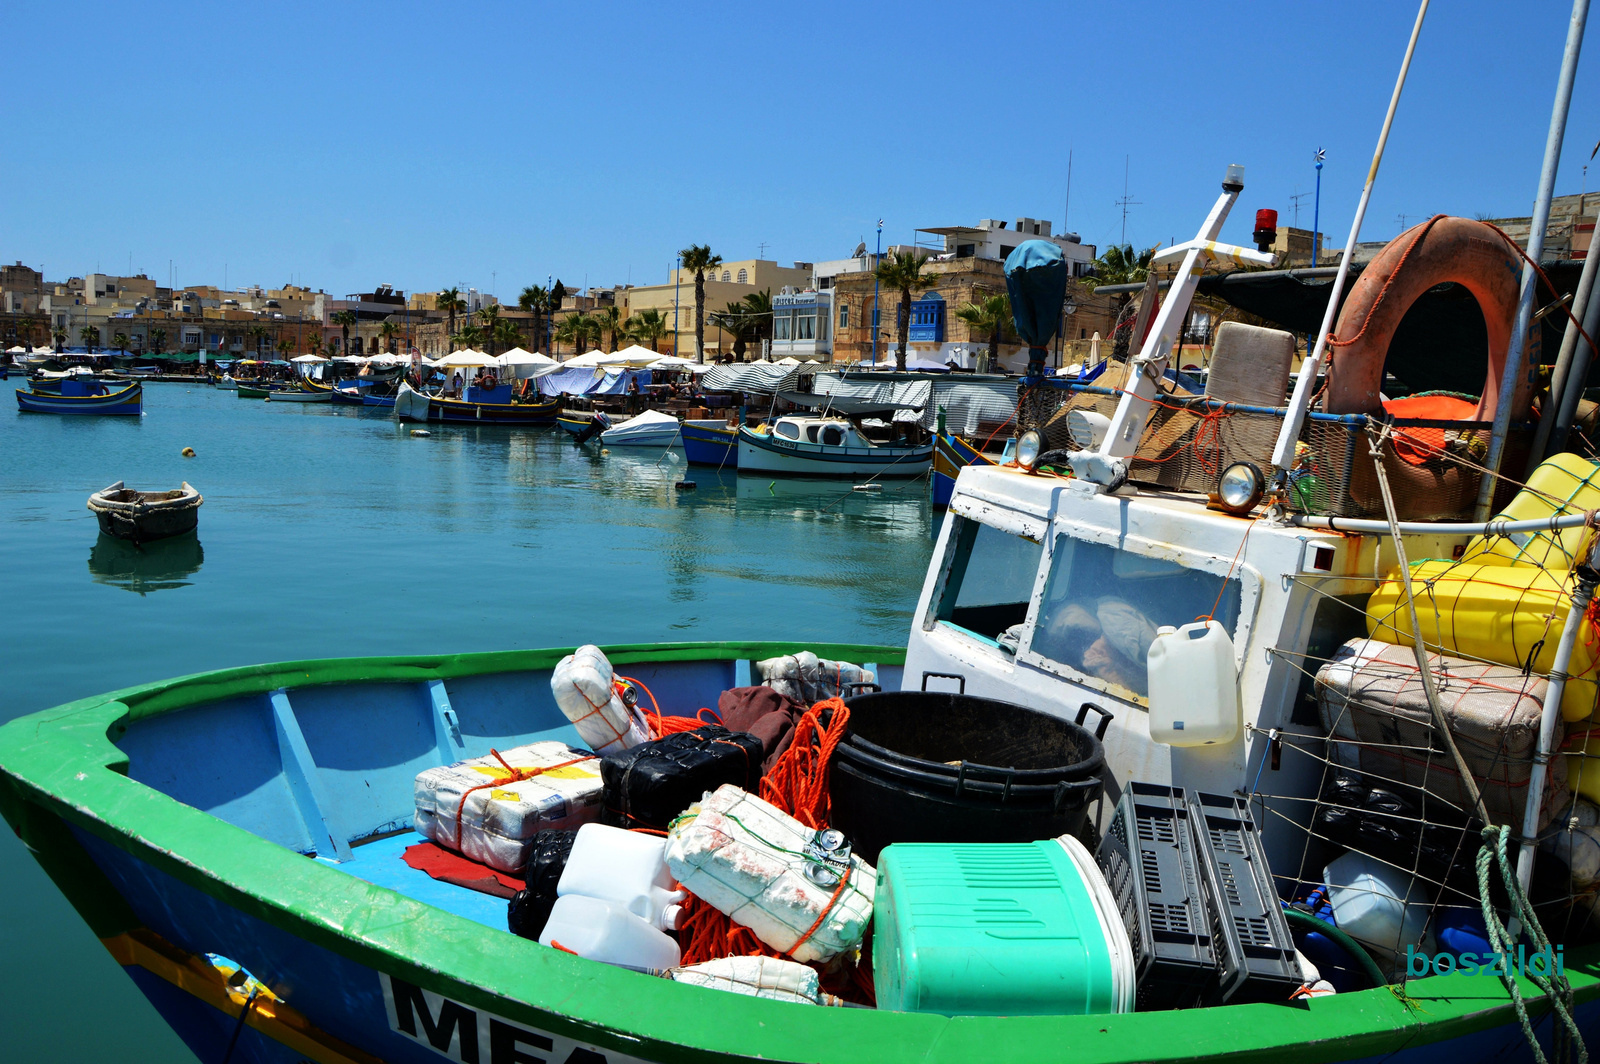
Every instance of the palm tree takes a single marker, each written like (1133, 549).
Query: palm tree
(90, 337)
(285, 348)
(536, 301)
(1119, 265)
(991, 315)
(389, 330)
(314, 345)
(504, 334)
(344, 319)
(758, 308)
(608, 320)
(735, 321)
(576, 328)
(488, 317)
(698, 259)
(158, 340)
(903, 270)
(258, 333)
(450, 302)
(120, 342)
(469, 336)
(647, 326)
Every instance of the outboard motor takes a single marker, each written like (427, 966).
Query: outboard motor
(597, 424)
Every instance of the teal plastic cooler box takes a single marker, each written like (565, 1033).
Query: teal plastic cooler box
(1001, 929)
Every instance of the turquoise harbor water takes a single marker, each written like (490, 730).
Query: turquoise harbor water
(328, 531)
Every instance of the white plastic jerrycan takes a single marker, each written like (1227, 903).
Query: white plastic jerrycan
(604, 931)
(625, 867)
(1194, 685)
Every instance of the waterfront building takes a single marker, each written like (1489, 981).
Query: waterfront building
(802, 324)
(729, 283)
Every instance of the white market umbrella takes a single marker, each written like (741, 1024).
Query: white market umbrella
(468, 359)
(788, 360)
(665, 361)
(639, 351)
(590, 359)
(518, 357)
(309, 358)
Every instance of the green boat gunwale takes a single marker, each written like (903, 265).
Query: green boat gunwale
(64, 761)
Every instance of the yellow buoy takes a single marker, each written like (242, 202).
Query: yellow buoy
(188, 452)
(1563, 484)
(1511, 614)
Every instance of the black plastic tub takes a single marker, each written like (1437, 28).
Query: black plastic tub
(943, 767)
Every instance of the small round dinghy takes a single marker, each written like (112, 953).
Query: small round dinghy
(146, 515)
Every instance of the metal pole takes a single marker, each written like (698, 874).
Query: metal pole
(1530, 276)
(677, 270)
(1550, 423)
(1283, 453)
(1577, 375)
(1316, 211)
(876, 317)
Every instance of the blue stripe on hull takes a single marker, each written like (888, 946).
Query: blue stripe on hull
(701, 447)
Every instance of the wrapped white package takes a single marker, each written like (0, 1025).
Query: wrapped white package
(766, 870)
(763, 977)
(584, 689)
(809, 679)
(502, 813)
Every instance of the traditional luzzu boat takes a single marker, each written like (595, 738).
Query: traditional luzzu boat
(826, 447)
(262, 895)
(710, 442)
(83, 397)
(493, 405)
(952, 454)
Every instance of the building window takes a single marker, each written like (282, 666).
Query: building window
(844, 315)
(805, 326)
(780, 326)
(744, 276)
(724, 275)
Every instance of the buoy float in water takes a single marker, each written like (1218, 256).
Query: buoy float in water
(605, 450)
(867, 487)
(421, 432)
(188, 452)
(684, 485)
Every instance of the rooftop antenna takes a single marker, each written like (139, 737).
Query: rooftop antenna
(1125, 202)
(762, 248)
(1295, 199)
(1066, 210)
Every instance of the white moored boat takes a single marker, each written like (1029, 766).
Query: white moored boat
(826, 447)
(650, 429)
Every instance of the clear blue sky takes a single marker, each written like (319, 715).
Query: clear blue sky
(427, 145)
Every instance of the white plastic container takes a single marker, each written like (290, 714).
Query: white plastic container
(1370, 904)
(1194, 685)
(604, 931)
(582, 683)
(626, 867)
(763, 977)
(763, 869)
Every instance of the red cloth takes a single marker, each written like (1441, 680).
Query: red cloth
(1416, 446)
(449, 867)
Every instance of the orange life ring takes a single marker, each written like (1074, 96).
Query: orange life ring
(490, 381)
(1473, 255)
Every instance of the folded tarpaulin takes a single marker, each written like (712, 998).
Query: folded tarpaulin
(752, 377)
(591, 381)
(846, 405)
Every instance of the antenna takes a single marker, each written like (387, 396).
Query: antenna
(1066, 210)
(762, 248)
(1295, 199)
(1125, 202)
(1401, 218)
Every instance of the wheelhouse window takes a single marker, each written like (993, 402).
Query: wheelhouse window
(1102, 606)
(788, 430)
(990, 582)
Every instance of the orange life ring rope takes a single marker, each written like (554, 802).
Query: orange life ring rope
(1442, 249)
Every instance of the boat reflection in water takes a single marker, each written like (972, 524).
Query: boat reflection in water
(155, 566)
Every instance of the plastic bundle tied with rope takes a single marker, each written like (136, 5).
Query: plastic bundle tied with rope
(489, 809)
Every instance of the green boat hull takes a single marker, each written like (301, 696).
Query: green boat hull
(145, 807)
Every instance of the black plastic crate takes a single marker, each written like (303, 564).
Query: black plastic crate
(1151, 863)
(1255, 953)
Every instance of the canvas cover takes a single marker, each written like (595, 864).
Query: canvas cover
(1372, 703)
(500, 814)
